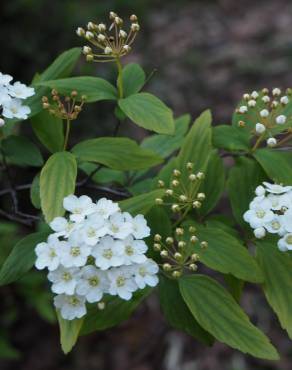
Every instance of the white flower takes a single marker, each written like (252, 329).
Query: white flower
(106, 208)
(266, 99)
(2, 122)
(258, 216)
(276, 189)
(75, 252)
(276, 91)
(284, 100)
(254, 94)
(146, 274)
(15, 109)
(264, 113)
(4, 96)
(122, 282)
(108, 253)
(260, 232)
(260, 128)
(281, 120)
(133, 251)
(118, 227)
(64, 280)
(93, 229)
(285, 244)
(271, 142)
(20, 91)
(260, 190)
(279, 202)
(48, 253)
(5, 79)
(243, 109)
(275, 225)
(70, 306)
(92, 284)
(78, 206)
(63, 227)
(286, 220)
(140, 230)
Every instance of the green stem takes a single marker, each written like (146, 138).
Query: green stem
(67, 134)
(258, 142)
(285, 140)
(179, 221)
(120, 78)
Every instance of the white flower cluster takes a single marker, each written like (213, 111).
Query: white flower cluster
(271, 211)
(11, 96)
(97, 250)
(269, 109)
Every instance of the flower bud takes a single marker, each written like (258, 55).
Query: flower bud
(195, 257)
(176, 274)
(178, 256)
(166, 267)
(169, 240)
(164, 253)
(112, 15)
(201, 196)
(266, 99)
(284, 100)
(157, 237)
(276, 91)
(181, 244)
(108, 50)
(197, 204)
(161, 183)
(175, 183)
(101, 37)
(2, 122)
(264, 113)
(169, 192)
(190, 166)
(176, 173)
(101, 27)
(91, 26)
(271, 142)
(260, 128)
(265, 91)
(133, 18)
(89, 35)
(80, 32)
(101, 305)
(122, 34)
(87, 50)
(204, 244)
(252, 103)
(281, 120)
(179, 231)
(192, 177)
(89, 58)
(254, 95)
(260, 232)
(157, 247)
(192, 229)
(200, 175)
(193, 239)
(246, 96)
(118, 21)
(175, 208)
(243, 109)
(135, 27)
(127, 48)
(183, 198)
(158, 201)
(241, 124)
(193, 267)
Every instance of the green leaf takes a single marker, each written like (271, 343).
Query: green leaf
(35, 192)
(133, 79)
(141, 203)
(165, 145)
(116, 311)
(218, 313)
(243, 178)
(57, 180)
(276, 164)
(215, 179)
(196, 146)
(49, 130)
(69, 332)
(230, 138)
(61, 67)
(277, 270)
(21, 151)
(116, 152)
(103, 175)
(22, 258)
(94, 88)
(149, 112)
(176, 312)
(226, 254)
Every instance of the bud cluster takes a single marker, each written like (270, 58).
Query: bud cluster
(176, 252)
(65, 108)
(181, 196)
(267, 110)
(112, 42)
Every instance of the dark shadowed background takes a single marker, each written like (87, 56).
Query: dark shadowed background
(205, 54)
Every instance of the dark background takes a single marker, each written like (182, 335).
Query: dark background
(206, 55)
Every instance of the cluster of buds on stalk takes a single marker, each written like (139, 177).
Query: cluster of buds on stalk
(182, 196)
(267, 112)
(66, 108)
(177, 253)
(111, 42)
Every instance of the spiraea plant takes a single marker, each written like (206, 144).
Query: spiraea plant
(154, 221)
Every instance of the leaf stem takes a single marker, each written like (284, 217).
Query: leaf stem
(120, 78)
(67, 134)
